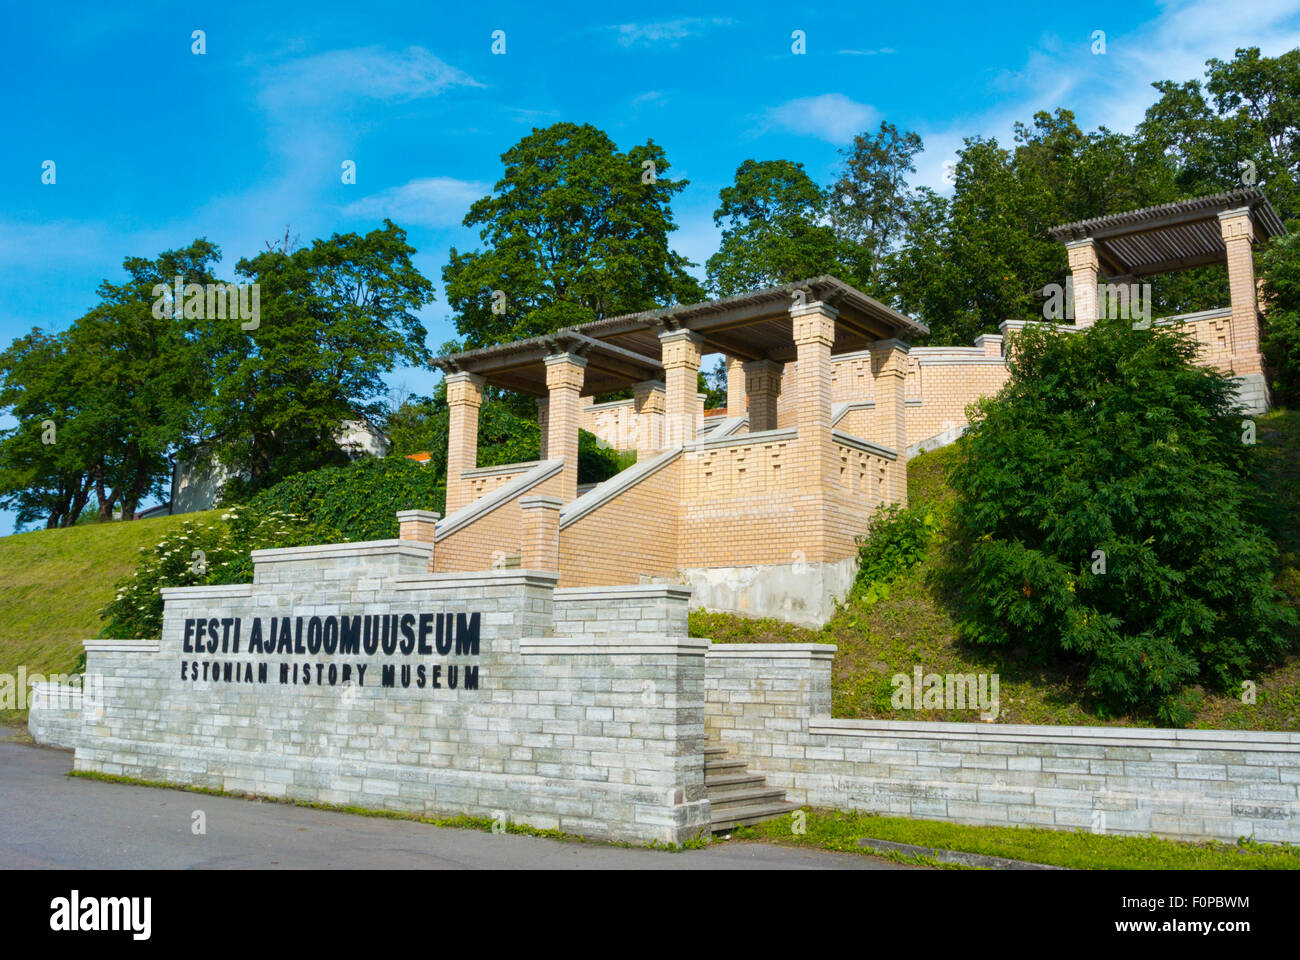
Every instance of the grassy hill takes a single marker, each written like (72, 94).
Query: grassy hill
(53, 583)
(912, 626)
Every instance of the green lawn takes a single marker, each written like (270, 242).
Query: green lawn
(841, 830)
(54, 584)
(912, 626)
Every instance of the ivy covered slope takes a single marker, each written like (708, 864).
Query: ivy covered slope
(908, 615)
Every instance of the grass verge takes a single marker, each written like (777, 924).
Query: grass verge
(840, 831)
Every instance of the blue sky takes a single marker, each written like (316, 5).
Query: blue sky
(155, 145)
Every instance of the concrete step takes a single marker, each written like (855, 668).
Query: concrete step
(733, 781)
(748, 816)
(713, 768)
(722, 804)
(714, 752)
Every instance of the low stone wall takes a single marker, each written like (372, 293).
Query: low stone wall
(54, 714)
(595, 736)
(771, 704)
(622, 611)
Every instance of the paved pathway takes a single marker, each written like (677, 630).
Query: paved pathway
(50, 820)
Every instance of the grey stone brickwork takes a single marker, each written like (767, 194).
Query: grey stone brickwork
(599, 738)
(771, 704)
(54, 717)
(635, 610)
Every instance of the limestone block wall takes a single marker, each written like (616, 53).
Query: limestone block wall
(54, 714)
(771, 704)
(625, 610)
(601, 736)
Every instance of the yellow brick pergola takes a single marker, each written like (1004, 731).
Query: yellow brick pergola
(1222, 228)
(657, 354)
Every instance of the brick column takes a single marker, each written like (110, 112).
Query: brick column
(682, 408)
(417, 524)
(735, 387)
(1238, 236)
(889, 369)
(648, 402)
(564, 375)
(814, 332)
(990, 343)
(763, 386)
(464, 397)
(539, 545)
(1083, 268)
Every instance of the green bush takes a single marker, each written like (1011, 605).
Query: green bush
(1106, 514)
(357, 502)
(1280, 270)
(895, 543)
(199, 552)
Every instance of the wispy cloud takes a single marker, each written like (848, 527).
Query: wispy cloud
(668, 32)
(1114, 88)
(429, 202)
(883, 51)
(831, 116)
(332, 77)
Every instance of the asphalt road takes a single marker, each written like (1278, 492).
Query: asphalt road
(51, 821)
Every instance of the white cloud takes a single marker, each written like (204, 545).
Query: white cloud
(867, 53)
(429, 202)
(332, 77)
(664, 31)
(832, 117)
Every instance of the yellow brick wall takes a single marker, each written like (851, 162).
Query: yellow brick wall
(632, 535)
(490, 538)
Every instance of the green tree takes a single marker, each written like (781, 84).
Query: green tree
(773, 230)
(871, 201)
(1280, 271)
(574, 231)
(1106, 515)
(1241, 126)
(335, 317)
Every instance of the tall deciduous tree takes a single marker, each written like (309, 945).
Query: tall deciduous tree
(774, 229)
(335, 316)
(871, 201)
(575, 230)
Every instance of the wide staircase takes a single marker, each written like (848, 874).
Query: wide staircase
(738, 797)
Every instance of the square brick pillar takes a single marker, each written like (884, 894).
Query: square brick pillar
(763, 387)
(417, 525)
(464, 398)
(539, 545)
(1238, 236)
(648, 403)
(683, 410)
(814, 332)
(1083, 268)
(889, 370)
(735, 387)
(564, 375)
(990, 343)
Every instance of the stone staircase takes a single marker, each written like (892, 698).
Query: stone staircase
(738, 797)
